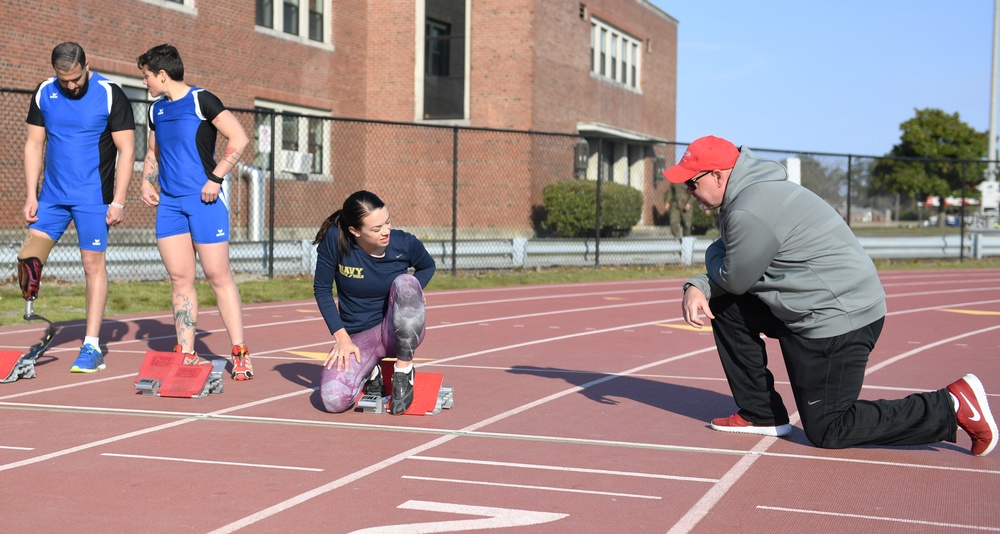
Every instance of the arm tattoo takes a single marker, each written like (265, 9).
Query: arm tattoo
(152, 166)
(232, 156)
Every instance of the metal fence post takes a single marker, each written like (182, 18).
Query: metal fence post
(454, 201)
(961, 216)
(597, 215)
(272, 195)
(848, 190)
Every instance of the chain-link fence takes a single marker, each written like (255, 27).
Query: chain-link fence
(473, 195)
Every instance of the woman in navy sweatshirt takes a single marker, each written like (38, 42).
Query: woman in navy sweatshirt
(380, 313)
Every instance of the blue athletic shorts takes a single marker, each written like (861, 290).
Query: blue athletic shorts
(207, 223)
(90, 220)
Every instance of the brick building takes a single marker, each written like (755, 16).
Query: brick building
(604, 70)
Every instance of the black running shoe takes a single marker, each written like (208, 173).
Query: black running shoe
(402, 391)
(374, 386)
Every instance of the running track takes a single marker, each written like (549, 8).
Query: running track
(578, 408)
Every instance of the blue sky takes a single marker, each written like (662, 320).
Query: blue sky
(828, 76)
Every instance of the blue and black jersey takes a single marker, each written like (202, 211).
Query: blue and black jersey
(80, 154)
(363, 281)
(185, 139)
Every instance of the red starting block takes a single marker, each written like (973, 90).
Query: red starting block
(164, 374)
(15, 364)
(429, 396)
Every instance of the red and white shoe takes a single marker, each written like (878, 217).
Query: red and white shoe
(242, 368)
(974, 414)
(190, 358)
(736, 423)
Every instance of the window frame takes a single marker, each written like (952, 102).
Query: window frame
(304, 22)
(304, 116)
(141, 119)
(615, 55)
(420, 67)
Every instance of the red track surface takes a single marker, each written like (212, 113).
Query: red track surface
(578, 408)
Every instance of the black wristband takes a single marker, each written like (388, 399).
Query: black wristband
(215, 178)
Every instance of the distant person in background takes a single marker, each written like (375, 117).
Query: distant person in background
(788, 266)
(381, 310)
(191, 213)
(679, 208)
(83, 123)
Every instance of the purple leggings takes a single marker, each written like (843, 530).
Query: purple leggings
(398, 336)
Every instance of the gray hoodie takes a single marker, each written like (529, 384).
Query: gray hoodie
(782, 243)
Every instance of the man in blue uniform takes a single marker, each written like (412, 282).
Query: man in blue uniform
(83, 124)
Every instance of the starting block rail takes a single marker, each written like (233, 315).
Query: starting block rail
(15, 364)
(163, 374)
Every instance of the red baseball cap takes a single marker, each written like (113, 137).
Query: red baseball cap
(707, 153)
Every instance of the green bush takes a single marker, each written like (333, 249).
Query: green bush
(702, 222)
(571, 208)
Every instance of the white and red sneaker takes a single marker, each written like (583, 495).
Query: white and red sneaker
(974, 414)
(736, 423)
(190, 358)
(242, 368)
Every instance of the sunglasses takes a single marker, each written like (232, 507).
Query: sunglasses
(692, 184)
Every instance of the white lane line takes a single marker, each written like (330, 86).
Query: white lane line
(120, 437)
(562, 469)
(940, 307)
(526, 486)
(918, 350)
(67, 386)
(880, 518)
(211, 462)
(541, 297)
(12, 448)
(708, 501)
(669, 282)
(943, 292)
(492, 435)
(555, 312)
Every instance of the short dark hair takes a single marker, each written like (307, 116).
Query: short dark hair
(163, 57)
(67, 55)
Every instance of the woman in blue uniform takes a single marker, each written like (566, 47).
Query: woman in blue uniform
(381, 306)
(192, 214)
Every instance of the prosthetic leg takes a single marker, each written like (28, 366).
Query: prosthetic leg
(29, 276)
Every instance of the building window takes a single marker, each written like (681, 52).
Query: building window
(300, 137)
(614, 54)
(444, 60)
(316, 12)
(304, 20)
(436, 49)
(139, 98)
(265, 13)
(291, 16)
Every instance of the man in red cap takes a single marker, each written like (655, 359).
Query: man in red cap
(788, 266)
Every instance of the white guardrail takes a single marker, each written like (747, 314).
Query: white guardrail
(142, 261)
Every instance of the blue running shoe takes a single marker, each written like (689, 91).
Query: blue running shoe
(90, 360)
